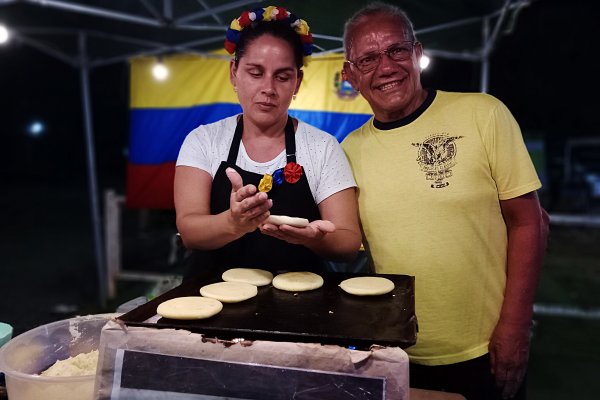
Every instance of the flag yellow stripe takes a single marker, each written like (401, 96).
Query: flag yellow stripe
(198, 80)
(192, 80)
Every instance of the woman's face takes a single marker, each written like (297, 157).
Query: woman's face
(266, 78)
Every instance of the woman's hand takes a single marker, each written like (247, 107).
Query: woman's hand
(314, 231)
(247, 207)
(335, 237)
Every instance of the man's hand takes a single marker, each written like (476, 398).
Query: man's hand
(509, 354)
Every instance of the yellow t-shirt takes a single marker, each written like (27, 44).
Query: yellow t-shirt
(429, 206)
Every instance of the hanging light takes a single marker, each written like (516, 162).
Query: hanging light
(424, 62)
(36, 128)
(160, 70)
(4, 34)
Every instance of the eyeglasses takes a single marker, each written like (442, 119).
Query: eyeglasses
(396, 52)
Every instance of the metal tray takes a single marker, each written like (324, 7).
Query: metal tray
(327, 315)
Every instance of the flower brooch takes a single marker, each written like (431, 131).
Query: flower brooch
(292, 173)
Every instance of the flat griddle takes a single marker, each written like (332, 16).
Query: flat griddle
(327, 315)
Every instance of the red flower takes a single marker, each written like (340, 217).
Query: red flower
(244, 19)
(230, 46)
(282, 14)
(292, 172)
(307, 39)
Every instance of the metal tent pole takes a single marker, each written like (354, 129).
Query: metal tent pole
(485, 60)
(84, 71)
(489, 40)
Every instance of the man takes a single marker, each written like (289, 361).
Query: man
(447, 193)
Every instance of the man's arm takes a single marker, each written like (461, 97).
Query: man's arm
(527, 229)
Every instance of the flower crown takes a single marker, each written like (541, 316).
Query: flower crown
(267, 14)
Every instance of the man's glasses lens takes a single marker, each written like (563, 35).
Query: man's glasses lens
(398, 52)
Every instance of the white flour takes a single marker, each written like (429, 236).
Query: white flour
(81, 364)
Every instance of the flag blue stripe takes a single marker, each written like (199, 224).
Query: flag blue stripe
(156, 134)
(338, 124)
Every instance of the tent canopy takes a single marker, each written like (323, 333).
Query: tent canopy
(118, 30)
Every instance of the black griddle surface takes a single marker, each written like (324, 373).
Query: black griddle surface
(327, 315)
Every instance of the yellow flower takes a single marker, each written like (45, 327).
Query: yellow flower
(268, 13)
(302, 27)
(235, 25)
(266, 183)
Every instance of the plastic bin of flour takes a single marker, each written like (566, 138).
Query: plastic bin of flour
(26, 355)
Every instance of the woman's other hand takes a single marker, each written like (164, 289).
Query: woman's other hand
(315, 230)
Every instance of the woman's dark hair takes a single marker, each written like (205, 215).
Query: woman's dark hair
(281, 30)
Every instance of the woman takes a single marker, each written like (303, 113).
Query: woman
(232, 174)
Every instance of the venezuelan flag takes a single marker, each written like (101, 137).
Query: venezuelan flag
(197, 92)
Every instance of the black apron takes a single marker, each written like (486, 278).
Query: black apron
(256, 250)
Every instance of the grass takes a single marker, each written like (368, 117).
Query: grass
(565, 352)
(565, 359)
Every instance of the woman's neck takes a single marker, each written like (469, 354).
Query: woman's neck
(252, 129)
(263, 144)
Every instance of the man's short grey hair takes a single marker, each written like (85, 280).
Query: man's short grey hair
(378, 8)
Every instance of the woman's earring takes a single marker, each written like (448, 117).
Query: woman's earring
(235, 89)
(294, 97)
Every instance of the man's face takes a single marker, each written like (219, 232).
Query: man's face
(392, 88)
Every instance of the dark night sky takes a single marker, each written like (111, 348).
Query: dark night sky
(44, 88)
(544, 72)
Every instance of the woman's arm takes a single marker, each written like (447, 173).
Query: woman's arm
(341, 209)
(201, 230)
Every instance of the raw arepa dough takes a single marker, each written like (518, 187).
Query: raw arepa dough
(367, 286)
(79, 365)
(253, 276)
(189, 307)
(298, 281)
(284, 219)
(229, 292)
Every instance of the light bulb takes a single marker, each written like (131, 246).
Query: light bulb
(424, 61)
(36, 128)
(160, 71)
(4, 34)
